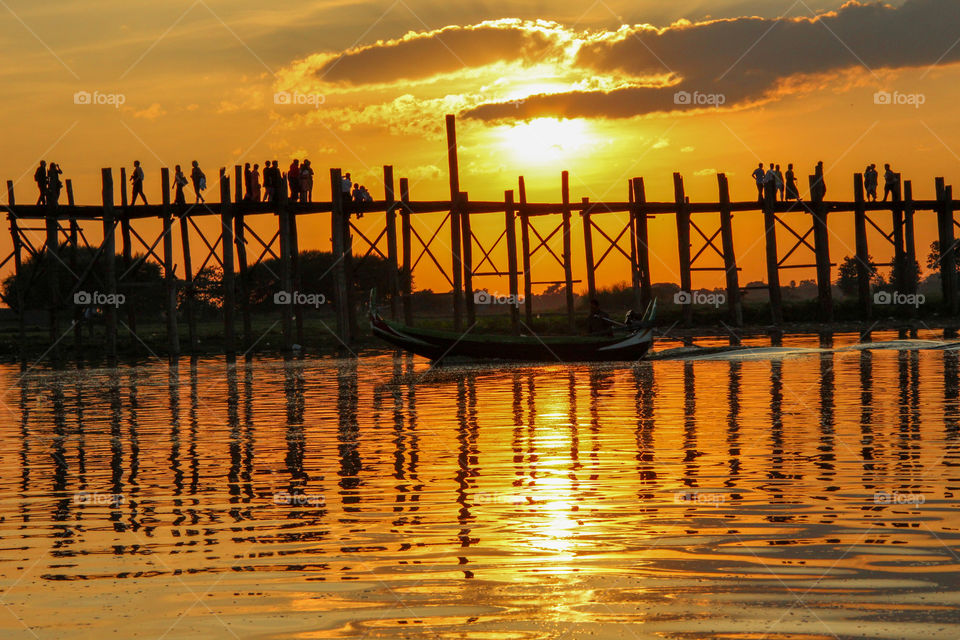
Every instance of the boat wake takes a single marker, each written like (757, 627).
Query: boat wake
(733, 352)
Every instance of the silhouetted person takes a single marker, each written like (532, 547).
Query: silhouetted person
(293, 177)
(40, 177)
(179, 182)
(870, 179)
(137, 180)
(365, 195)
(53, 184)
(757, 175)
(779, 176)
(306, 182)
(770, 185)
(199, 181)
(267, 193)
(255, 181)
(790, 183)
(277, 180)
(247, 183)
(598, 323)
(345, 185)
(819, 185)
(890, 181)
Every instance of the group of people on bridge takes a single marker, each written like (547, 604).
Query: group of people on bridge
(48, 183)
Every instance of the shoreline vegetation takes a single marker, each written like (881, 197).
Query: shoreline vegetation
(150, 340)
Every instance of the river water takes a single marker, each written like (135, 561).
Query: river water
(805, 492)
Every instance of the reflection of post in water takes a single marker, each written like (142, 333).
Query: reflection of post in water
(733, 422)
(518, 421)
(235, 443)
(467, 457)
(691, 469)
(116, 444)
(293, 389)
(868, 445)
(173, 395)
(348, 432)
(406, 447)
(61, 510)
(194, 434)
(576, 465)
(951, 395)
(776, 420)
(827, 446)
(248, 430)
(600, 381)
(134, 430)
(908, 365)
(646, 393)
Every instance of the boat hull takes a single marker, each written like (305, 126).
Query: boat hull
(437, 345)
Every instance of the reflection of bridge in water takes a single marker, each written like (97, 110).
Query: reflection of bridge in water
(202, 459)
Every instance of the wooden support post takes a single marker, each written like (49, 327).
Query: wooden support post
(773, 268)
(525, 245)
(390, 220)
(567, 253)
(109, 254)
(188, 298)
(899, 256)
(821, 247)
(226, 246)
(948, 260)
(864, 268)
(286, 264)
(238, 185)
(73, 241)
(239, 236)
(455, 240)
(127, 249)
(729, 255)
(407, 251)
(588, 247)
(466, 236)
(340, 248)
(683, 243)
(52, 262)
(511, 228)
(643, 243)
(123, 192)
(169, 279)
(18, 269)
(295, 275)
(909, 239)
(634, 267)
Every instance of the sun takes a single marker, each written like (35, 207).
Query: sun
(546, 140)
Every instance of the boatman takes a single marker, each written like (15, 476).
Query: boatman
(599, 323)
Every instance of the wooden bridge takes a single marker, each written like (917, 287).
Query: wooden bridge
(699, 226)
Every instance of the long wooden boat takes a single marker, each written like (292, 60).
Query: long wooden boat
(631, 344)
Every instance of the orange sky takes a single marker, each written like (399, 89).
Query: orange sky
(538, 88)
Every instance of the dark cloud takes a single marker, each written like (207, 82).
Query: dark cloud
(427, 54)
(745, 59)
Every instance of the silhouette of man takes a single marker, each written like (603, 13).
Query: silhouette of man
(137, 180)
(757, 175)
(890, 180)
(40, 177)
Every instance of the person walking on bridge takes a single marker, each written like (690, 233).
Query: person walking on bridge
(40, 177)
(137, 180)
